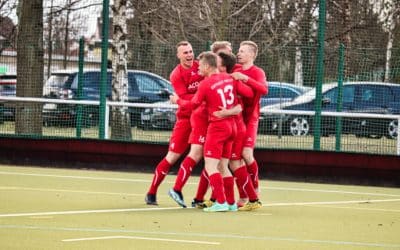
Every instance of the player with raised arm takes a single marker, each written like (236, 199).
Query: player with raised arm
(185, 80)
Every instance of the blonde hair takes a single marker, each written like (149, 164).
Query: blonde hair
(209, 58)
(220, 45)
(252, 45)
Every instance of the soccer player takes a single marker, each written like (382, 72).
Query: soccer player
(254, 76)
(226, 63)
(199, 123)
(218, 90)
(185, 80)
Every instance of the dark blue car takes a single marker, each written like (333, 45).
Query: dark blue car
(280, 92)
(143, 87)
(358, 97)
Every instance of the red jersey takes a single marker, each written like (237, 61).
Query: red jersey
(258, 82)
(185, 83)
(220, 90)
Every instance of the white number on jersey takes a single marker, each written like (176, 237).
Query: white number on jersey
(226, 95)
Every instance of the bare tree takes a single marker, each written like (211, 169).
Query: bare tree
(120, 120)
(388, 13)
(7, 27)
(30, 66)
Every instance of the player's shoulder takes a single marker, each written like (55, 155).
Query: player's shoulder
(175, 71)
(257, 68)
(237, 67)
(195, 64)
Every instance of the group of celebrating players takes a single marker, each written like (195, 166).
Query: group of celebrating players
(218, 99)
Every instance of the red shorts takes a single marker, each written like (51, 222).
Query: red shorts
(219, 139)
(199, 123)
(251, 134)
(179, 140)
(237, 146)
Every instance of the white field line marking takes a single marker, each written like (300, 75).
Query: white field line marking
(327, 202)
(193, 183)
(172, 208)
(357, 208)
(75, 177)
(41, 217)
(328, 191)
(142, 238)
(88, 211)
(207, 235)
(67, 190)
(127, 194)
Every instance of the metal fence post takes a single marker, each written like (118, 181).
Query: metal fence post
(104, 61)
(320, 75)
(339, 97)
(80, 88)
(398, 136)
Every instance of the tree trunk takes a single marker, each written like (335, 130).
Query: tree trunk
(50, 41)
(66, 36)
(298, 70)
(389, 47)
(346, 38)
(120, 119)
(222, 21)
(306, 52)
(30, 67)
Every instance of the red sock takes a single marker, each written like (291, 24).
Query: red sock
(242, 193)
(159, 175)
(184, 173)
(244, 183)
(229, 189)
(203, 186)
(253, 172)
(217, 184)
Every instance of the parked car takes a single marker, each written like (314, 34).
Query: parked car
(160, 118)
(143, 87)
(163, 118)
(280, 92)
(8, 87)
(358, 97)
(58, 81)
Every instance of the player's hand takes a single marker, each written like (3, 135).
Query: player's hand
(223, 112)
(239, 76)
(173, 98)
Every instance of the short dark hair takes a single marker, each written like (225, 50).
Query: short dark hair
(228, 60)
(182, 43)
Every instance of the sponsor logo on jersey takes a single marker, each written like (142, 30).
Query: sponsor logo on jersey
(193, 86)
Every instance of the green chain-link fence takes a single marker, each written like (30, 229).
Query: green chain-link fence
(287, 33)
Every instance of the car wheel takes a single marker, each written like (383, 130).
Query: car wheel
(392, 129)
(299, 126)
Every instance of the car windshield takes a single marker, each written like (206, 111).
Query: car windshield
(310, 94)
(60, 80)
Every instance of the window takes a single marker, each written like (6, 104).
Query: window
(147, 84)
(375, 95)
(273, 92)
(348, 94)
